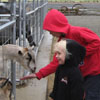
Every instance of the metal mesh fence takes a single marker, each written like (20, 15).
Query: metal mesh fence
(28, 28)
(6, 37)
(29, 20)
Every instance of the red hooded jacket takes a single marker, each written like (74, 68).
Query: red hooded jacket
(55, 21)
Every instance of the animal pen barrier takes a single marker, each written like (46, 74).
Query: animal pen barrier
(22, 26)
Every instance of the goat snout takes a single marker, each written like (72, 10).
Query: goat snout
(33, 70)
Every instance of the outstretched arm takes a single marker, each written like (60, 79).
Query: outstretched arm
(45, 71)
(29, 77)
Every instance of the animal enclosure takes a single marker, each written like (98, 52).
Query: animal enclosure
(20, 24)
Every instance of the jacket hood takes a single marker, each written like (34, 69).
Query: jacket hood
(56, 21)
(77, 53)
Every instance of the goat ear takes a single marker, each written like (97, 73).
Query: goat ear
(20, 53)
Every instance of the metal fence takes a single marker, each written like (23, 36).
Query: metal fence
(23, 26)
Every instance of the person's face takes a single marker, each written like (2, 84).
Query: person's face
(60, 55)
(56, 34)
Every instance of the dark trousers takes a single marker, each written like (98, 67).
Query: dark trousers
(92, 87)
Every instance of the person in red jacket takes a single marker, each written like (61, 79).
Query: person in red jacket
(57, 24)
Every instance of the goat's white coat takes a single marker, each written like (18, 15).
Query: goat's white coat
(11, 52)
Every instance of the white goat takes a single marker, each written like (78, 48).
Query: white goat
(24, 56)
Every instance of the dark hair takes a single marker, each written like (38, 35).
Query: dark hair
(63, 35)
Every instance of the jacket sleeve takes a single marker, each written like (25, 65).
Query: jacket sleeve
(49, 69)
(88, 39)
